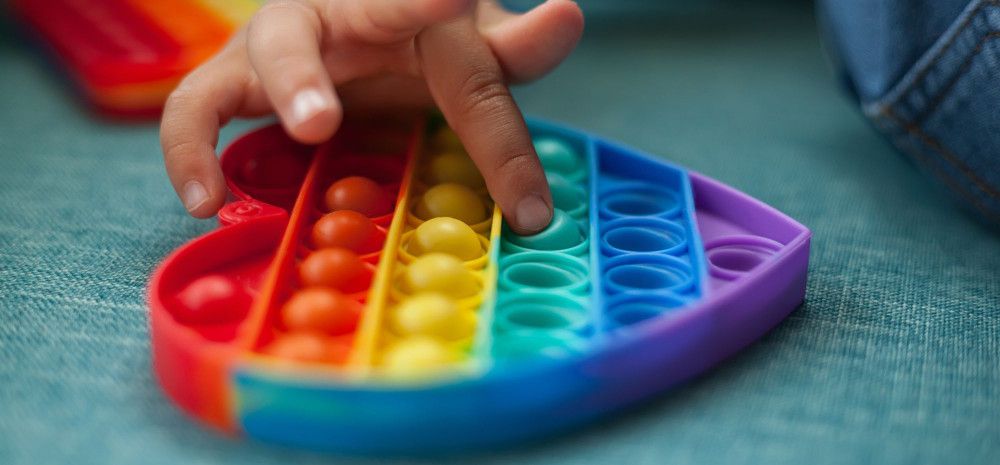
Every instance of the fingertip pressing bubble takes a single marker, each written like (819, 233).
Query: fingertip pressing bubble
(360, 194)
(446, 235)
(452, 200)
(337, 268)
(322, 310)
(562, 233)
(347, 229)
(439, 272)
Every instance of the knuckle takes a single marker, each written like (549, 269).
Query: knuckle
(515, 165)
(483, 93)
(260, 25)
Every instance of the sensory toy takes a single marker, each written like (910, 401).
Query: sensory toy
(365, 295)
(125, 56)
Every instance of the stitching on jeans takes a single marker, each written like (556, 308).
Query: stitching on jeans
(932, 142)
(944, 48)
(959, 74)
(942, 175)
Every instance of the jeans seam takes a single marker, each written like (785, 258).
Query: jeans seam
(943, 50)
(948, 179)
(911, 127)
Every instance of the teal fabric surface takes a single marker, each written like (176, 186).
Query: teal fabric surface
(894, 358)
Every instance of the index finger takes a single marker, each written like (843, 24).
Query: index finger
(467, 83)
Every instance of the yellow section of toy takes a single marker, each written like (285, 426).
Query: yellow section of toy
(429, 296)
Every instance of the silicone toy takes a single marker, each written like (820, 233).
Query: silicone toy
(125, 56)
(433, 327)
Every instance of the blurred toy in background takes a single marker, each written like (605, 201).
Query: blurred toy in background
(125, 56)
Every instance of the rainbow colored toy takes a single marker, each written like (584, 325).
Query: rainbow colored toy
(126, 56)
(364, 296)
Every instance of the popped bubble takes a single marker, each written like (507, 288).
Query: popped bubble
(452, 200)
(446, 235)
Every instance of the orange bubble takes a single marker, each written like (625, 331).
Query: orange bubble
(359, 194)
(321, 310)
(347, 229)
(336, 267)
(310, 347)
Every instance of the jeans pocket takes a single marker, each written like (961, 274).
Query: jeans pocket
(945, 111)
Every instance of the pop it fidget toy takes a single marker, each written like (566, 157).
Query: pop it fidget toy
(125, 56)
(363, 295)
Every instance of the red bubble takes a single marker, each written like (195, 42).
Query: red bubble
(212, 299)
(347, 229)
(359, 194)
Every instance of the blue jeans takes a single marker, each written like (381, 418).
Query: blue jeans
(927, 74)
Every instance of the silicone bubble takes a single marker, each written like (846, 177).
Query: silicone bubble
(430, 314)
(453, 166)
(541, 312)
(271, 169)
(335, 267)
(521, 345)
(321, 310)
(642, 235)
(359, 194)
(562, 233)
(559, 157)
(347, 229)
(566, 196)
(634, 310)
(442, 273)
(452, 200)
(732, 256)
(446, 139)
(309, 347)
(543, 271)
(417, 356)
(643, 272)
(446, 235)
(212, 299)
(640, 201)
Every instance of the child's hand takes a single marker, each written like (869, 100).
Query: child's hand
(295, 53)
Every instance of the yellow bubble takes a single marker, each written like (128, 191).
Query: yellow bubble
(456, 167)
(446, 235)
(454, 200)
(430, 314)
(417, 356)
(438, 272)
(446, 139)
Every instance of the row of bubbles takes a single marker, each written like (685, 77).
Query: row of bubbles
(338, 243)
(649, 255)
(439, 279)
(543, 295)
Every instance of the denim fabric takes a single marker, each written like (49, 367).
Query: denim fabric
(928, 75)
(891, 360)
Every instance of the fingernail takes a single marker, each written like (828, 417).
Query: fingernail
(193, 195)
(306, 104)
(533, 214)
